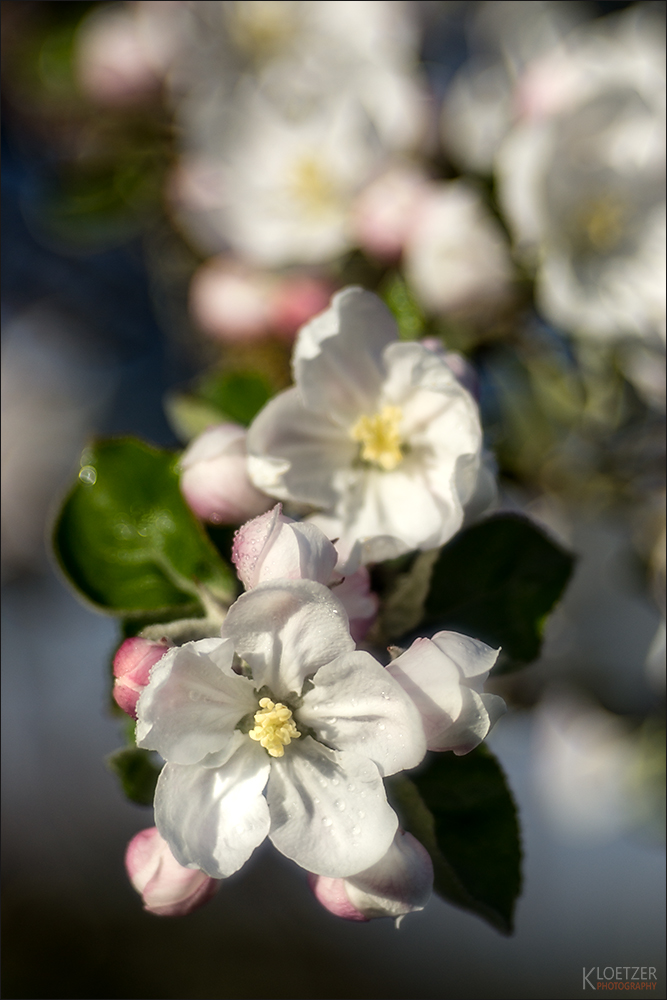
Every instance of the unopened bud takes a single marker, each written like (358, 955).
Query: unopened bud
(166, 887)
(131, 669)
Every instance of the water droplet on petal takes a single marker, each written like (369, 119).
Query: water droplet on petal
(339, 804)
(356, 830)
(382, 726)
(326, 821)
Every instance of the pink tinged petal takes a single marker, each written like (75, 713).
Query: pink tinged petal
(356, 705)
(286, 630)
(166, 887)
(131, 668)
(338, 355)
(193, 702)
(399, 883)
(214, 477)
(329, 811)
(274, 547)
(297, 454)
(332, 894)
(478, 715)
(360, 602)
(214, 818)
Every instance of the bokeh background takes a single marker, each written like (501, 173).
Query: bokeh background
(496, 170)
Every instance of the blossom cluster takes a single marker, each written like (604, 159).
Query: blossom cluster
(281, 727)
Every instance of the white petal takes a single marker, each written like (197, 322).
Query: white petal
(214, 818)
(299, 552)
(296, 454)
(338, 355)
(286, 630)
(399, 883)
(192, 702)
(397, 506)
(434, 684)
(329, 811)
(473, 657)
(471, 727)
(356, 705)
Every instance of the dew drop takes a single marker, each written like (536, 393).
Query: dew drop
(335, 781)
(382, 726)
(88, 475)
(361, 814)
(339, 804)
(326, 821)
(356, 830)
(350, 788)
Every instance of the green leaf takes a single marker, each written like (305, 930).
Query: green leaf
(497, 581)
(137, 771)
(461, 810)
(127, 540)
(404, 306)
(237, 395)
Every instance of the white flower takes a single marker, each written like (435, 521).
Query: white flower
(445, 677)
(456, 255)
(380, 435)
(581, 180)
(293, 747)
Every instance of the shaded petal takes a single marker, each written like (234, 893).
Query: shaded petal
(286, 630)
(394, 512)
(329, 811)
(473, 658)
(338, 364)
(296, 454)
(193, 701)
(473, 723)
(214, 818)
(356, 705)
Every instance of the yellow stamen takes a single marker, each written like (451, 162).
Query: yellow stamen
(380, 438)
(274, 727)
(312, 186)
(603, 222)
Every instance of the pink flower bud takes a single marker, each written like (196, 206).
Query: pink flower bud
(400, 883)
(230, 301)
(111, 59)
(166, 887)
(214, 477)
(131, 668)
(274, 547)
(295, 300)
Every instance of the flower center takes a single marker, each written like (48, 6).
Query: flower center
(312, 186)
(602, 222)
(274, 727)
(380, 438)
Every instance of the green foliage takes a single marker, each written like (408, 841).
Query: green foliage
(137, 772)
(497, 581)
(461, 810)
(237, 395)
(127, 540)
(404, 306)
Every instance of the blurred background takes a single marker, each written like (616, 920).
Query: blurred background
(184, 184)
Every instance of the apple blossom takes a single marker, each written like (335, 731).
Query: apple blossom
(399, 883)
(279, 728)
(445, 677)
(379, 434)
(131, 669)
(214, 479)
(275, 547)
(167, 888)
(582, 181)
